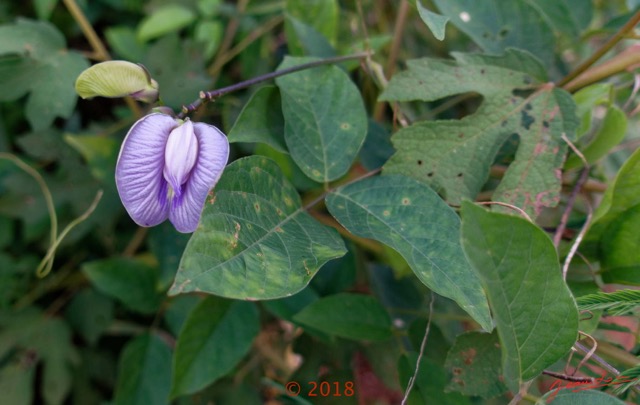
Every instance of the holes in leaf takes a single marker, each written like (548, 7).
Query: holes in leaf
(522, 93)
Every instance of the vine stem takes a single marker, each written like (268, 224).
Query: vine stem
(602, 51)
(210, 95)
(412, 380)
(45, 266)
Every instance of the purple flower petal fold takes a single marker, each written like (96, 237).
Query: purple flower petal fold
(180, 156)
(166, 168)
(213, 153)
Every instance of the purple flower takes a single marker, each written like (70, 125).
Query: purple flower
(166, 168)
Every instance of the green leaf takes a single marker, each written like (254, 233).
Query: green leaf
(289, 168)
(610, 134)
(620, 257)
(535, 314)
(37, 62)
(122, 39)
(49, 341)
(99, 151)
(572, 396)
(436, 22)
(567, 16)
(144, 372)
(129, 281)
(178, 310)
(454, 156)
(16, 382)
(178, 67)
(44, 8)
(412, 219)
(402, 296)
(261, 120)
(90, 314)
(377, 148)
(351, 316)
(166, 19)
(167, 245)
(476, 365)
(311, 41)
(287, 307)
(209, 34)
(496, 25)
(586, 100)
(215, 337)
(617, 303)
(255, 241)
(323, 148)
(623, 193)
(209, 8)
(430, 382)
(320, 15)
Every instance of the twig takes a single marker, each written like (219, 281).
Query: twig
(576, 243)
(522, 392)
(401, 19)
(135, 242)
(227, 39)
(88, 31)
(584, 175)
(597, 359)
(504, 204)
(603, 50)
(413, 378)
(634, 91)
(244, 43)
(96, 44)
(210, 95)
(568, 377)
(399, 25)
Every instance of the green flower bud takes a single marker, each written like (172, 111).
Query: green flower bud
(117, 78)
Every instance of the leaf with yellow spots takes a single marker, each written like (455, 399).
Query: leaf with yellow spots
(412, 219)
(454, 156)
(325, 122)
(255, 241)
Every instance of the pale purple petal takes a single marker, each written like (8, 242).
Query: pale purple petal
(141, 185)
(180, 156)
(213, 153)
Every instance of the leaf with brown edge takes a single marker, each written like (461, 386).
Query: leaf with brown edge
(454, 156)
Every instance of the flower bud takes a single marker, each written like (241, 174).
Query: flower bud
(117, 79)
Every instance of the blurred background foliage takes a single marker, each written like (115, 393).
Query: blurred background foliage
(100, 328)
